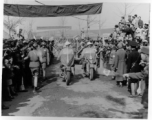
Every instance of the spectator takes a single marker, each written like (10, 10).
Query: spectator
(123, 20)
(139, 31)
(129, 19)
(140, 22)
(112, 57)
(119, 63)
(135, 21)
(133, 66)
(143, 75)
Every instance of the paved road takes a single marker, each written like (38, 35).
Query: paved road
(84, 98)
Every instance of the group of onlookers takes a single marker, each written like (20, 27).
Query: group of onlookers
(19, 61)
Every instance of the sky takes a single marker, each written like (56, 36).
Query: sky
(110, 15)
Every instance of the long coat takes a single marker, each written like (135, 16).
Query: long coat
(120, 63)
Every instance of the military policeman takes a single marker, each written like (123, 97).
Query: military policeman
(34, 65)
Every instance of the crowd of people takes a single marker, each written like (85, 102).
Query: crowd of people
(129, 56)
(23, 63)
(125, 52)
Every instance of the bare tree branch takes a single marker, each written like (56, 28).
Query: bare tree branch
(119, 11)
(134, 9)
(11, 24)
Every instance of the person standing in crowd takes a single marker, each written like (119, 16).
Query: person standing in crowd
(135, 21)
(140, 22)
(133, 66)
(18, 61)
(34, 65)
(129, 19)
(120, 63)
(145, 32)
(112, 58)
(138, 32)
(123, 20)
(45, 58)
(144, 74)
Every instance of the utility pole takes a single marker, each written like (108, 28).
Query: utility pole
(88, 25)
(99, 25)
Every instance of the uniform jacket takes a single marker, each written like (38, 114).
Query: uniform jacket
(34, 58)
(45, 55)
(66, 56)
(89, 53)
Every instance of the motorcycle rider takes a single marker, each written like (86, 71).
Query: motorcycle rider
(66, 56)
(87, 53)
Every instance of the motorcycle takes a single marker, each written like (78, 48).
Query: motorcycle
(91, 68)
(66, 74)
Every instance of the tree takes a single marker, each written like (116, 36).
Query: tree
(30, 29)
(126, 9)
(12, 23)
(63, 21)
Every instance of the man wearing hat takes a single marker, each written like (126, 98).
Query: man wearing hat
(87, 53)
(144, 75)
(45, 58)
(133, 66)
(34, 65)
(66, 56)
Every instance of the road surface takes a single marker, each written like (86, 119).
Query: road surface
(100, 98)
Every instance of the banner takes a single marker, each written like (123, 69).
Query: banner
(51, 10)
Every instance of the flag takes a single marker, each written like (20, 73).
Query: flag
(51, 10)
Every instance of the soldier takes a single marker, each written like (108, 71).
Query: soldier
(88, 52)
(45, 57)
(66, 56)
(34, 65)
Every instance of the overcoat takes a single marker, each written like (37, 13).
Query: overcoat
(120, 63)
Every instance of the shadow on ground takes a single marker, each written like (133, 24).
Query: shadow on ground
(18, 102)
(76, 78)
(92, 114)
(120, 101)
(23, 98)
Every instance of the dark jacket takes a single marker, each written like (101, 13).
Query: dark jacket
(133, 62)
(140, 23)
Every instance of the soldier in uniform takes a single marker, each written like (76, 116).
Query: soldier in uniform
(66, 56)
(45, 58)
(88, 52)
(34, 65)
